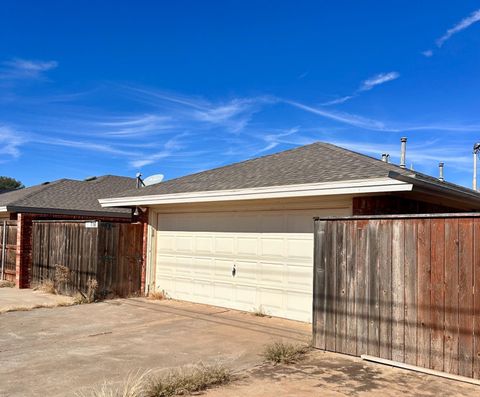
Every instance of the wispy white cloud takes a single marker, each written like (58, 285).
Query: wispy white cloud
(85, 145)
(465, 23)
(174, 145)
(378, 79)
(273, 140)
(234, 114)
(462, 25)
(25, 69)
(136, 126)
(10, 143)
(342, 117)
(425, 154)
(366, 85)
(338, 100)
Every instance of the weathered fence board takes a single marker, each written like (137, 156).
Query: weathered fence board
(8, 233)
(110, 253)
(400, 288)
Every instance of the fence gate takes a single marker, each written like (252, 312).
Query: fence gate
(403, 289)
(110, 253)
(8, 249)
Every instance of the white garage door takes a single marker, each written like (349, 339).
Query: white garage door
(241, 260)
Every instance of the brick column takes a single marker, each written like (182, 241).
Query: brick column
(24, 251)
(144, 219)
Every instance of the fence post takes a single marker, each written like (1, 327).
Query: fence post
(4, 242)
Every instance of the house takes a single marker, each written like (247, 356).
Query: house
(241, 236)
(63, 199)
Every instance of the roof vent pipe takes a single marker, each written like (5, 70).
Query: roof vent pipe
(403, 152)
(139, 179)
(476, 150)
(440, 170)
(384, 157)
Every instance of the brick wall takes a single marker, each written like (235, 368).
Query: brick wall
(24, 251)
(143, 218)
(389, 205)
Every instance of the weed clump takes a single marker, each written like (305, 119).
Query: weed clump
(284, 353)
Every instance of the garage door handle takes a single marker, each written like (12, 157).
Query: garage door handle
(234, 271)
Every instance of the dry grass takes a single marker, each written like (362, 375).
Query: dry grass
(89, 297)
(157, 295)
(260, 312)
(38, 306)
(284, 352)
(134, 386)
(176, 382)
(80, 299)
(6, 284)
(47, 286)
(188, 380)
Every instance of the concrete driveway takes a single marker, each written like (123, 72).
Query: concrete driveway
(61, 351)
(26, 299)
(56, 352)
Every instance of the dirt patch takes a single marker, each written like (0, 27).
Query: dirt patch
(329, 374)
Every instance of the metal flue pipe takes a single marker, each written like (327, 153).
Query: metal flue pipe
(441, 178)
(476, 149)
(403, 152)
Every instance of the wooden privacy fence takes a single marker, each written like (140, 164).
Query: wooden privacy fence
(110, 253)
(8, 249)
(401, 288)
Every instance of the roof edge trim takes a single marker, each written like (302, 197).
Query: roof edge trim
(358, 186)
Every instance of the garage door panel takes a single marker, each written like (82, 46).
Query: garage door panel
(166, 244)
(183, 287)
(299, 302)
(246, 296)
(223, 268)
(247, 246)
(183, 266)
(299, 277)
(204, 244)
(223, 292)
(165, 283)
(246, 271)
(166, 264)
(225, 244)
(271, 300)
(272, 247)
(203, 289)
(271, 274)
(300, 248)
(184, 243)
(202, 267)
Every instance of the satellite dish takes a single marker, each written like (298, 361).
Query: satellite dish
(153, 179)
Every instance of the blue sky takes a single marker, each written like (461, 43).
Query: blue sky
(115, 87)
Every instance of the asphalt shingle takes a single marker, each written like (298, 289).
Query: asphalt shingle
(69, 195)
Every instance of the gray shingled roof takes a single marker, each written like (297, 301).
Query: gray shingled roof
(69, 196)
(314, 163)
